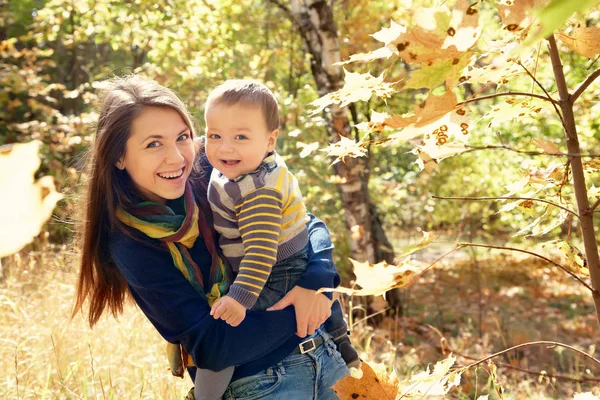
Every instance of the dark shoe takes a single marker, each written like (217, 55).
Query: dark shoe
(348, 352)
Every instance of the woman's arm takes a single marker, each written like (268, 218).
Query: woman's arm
(181, 315)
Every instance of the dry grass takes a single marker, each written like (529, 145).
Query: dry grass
(45, 355)
(520, 300)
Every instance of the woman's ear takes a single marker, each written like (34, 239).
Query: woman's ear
(272, 140)
(120, 164)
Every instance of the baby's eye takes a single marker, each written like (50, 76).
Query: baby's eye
(241, 137)
(214, 136)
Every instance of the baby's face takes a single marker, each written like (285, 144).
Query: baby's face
(237, 138)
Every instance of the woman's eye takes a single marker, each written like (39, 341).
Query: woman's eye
(241, 137)
(152, 145)
(183, 137)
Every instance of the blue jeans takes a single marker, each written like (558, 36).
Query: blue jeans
(298, 376)
(284, 276)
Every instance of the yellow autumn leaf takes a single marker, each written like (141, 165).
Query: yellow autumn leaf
(572, 257)
(374, 384)
(25, 205)
(345, 147)
(517, 14)
(376, 279)
(433, 383)
(583, 40)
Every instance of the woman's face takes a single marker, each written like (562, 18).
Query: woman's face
(159, 154)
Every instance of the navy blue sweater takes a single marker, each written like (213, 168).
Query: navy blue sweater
(181, 315)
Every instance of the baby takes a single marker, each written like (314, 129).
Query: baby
(257, 206)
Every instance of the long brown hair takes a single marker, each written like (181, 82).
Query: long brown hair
(108, 188)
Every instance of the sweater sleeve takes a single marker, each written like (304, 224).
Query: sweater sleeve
(181, 315)
(320, 271)
(259, 222)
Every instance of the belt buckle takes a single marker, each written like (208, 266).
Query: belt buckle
(310, 342)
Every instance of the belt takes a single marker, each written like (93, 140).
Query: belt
(309, 345)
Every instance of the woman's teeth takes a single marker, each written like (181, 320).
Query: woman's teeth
(171, 175)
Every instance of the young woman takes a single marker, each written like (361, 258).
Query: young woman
(147, 233)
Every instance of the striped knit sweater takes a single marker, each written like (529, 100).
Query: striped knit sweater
(261, 219)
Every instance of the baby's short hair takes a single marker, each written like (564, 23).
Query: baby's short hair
(248, 93)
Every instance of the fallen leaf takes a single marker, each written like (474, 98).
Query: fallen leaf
(372, 386)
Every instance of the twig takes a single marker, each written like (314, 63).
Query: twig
(490, 96)
(554, 102)
(581, 88)
(527, 152)
(593, 208)
(370, 316)
(17, 370)
(464, 244)
(443, 349)
(507, 198)
(529, 344)
(282, 7)
(458, 246)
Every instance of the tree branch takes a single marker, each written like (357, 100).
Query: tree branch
(529, 153)
(581, 88)
(554, 102)
(507, 198)
(490, 96)
(284, 8)
(592, 209)
(444, 349)
(465, 244)
(529, 344)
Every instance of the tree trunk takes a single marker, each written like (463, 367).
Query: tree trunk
(314, 19)
(586, 218)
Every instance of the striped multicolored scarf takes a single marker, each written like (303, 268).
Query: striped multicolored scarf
(179, 233)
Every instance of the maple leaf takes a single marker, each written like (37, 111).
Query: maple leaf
(357, 87)
(432, 109)
(513, 109)
(434, 383)
(426, 162)
(572, 258)
(307, 148)
(382, 52)
(389, 35)
(374, 384)
(345, 147)
(583, 40)
(376, 279)
(376, 122)
(547, 146)
(25, 205)
(555, 14)
(437, 72)
(516, 14)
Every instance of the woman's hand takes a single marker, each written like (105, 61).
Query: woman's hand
(312, 309)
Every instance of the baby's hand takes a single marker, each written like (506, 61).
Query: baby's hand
(229, 310)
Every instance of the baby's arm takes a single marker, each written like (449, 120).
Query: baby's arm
(259, 223)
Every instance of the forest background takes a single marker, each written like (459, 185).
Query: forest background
(448, 157)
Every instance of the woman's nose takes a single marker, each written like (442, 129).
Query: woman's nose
(174, 156)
